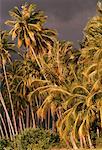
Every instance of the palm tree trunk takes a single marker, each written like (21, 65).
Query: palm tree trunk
(35, 57)
(84, 141)
(89, 140)
(81, 141)
(48, 119)
(98, 132)
(22, 118)
(2, 134)
(36, 100)
(46, 124)
(53, 123)
(27, 116)
(20, 123)
(73, 142)
(13, 115)
(3, 123)
(37, 60)
(33, 118)
(7, 115)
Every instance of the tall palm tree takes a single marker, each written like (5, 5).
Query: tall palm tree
(5, 46)
(60, 71)
(27, 26)
(81, 95)
(10, 126)
(82, 107)
(24, 78)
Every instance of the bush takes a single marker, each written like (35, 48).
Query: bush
(36, 139)
(4, 143)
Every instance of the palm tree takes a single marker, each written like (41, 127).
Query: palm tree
(19, 79)
(24, 78)
(80, 93)
(10, 126)
(27, 26)
(78, 118)
(5, 46)
(81, 108)
(60, 72)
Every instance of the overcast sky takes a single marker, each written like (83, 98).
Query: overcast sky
(68, 17)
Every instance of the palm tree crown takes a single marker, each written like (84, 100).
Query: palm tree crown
(27, 25)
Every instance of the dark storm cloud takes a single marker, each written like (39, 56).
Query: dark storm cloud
(68, 17)
(65, 9)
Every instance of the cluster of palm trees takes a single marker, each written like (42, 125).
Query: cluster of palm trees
(50, 84)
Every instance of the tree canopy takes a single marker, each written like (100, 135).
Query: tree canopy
(54, 85)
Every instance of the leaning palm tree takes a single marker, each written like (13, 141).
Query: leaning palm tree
(5, 46)
(60, 71)
(27, 26)
(82, 107)
(22, 84)
(24, 78)
(81, 110)
(80, 92)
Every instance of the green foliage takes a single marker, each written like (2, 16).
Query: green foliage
(4, 143)
(35, 139)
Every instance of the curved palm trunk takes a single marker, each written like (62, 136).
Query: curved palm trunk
(37, 60)
(13, 115)
(8, 118)
(35, 57)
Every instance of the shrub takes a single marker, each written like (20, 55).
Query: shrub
(4, 143)
(35, 139)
